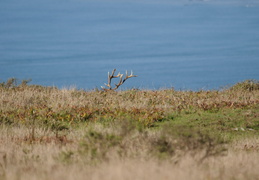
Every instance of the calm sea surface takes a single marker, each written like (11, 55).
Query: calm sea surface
(189, 45)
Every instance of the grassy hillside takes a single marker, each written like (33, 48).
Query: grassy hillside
(50, 133)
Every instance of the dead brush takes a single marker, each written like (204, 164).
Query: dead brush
(179, 140)
(247, 85)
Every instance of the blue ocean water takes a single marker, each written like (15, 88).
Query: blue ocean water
(189, 45)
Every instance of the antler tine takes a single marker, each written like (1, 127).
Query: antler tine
(109, 80)
(121, 81)
(131, 75)
(113, 72)
(118, 75)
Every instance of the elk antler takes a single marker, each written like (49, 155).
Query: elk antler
(110, 77)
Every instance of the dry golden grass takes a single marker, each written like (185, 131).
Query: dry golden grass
(50, 133)
(61, 160)
(145, 106)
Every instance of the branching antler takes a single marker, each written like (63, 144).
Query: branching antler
(122, 80)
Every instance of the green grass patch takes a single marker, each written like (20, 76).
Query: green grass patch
(232, 123)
